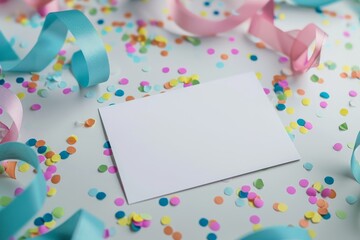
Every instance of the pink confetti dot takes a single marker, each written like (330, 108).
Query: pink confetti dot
(31, 90)
(251, 196)
(174, 201)
(254, 219)
(352, 93)
(325, 192)
(231, 39)
(312, 199)
(1, 111)
(337, 147)
(47, 175)
(182, 70)
(234, 51)
(308, 125)
(144, 83)
(215, 226)
(245, 188)
(67, 91)
(165, 69)
(62, 52)
(291, 190)
(7, 85)
(41, 158)
(51, 169)
(311, 191)
(266, 91)
(112, 169)
(124, 81)
(107, 152)
(18, 191)
(146, 223)
(258, 202)
(303, 183)
(119, 201)
(35, 107)
(283, 59)
(43, 229)
(25, 84)
(210, 51)
(323, 104)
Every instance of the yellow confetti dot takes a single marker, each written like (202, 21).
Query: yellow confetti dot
(344, 112)
(160, 38)
(55, 158)
(108, 48)
(173, 82)
(309, 214)
(195, 77)
(165, 220)
(346, 68)
(203, 13)
(316, 218)
(48, 162)
(108, 28)
(294, 125)
(288, 93)
(337, 42)
(288, 129)
(21, 95)
(51, 192)
(166, 11)
(57, 66)
(312, 233)
(303, 130)
(137, 218)
(282, 207)
(33, 230)
(257, 227)
(24, 167)
(259, 75)
(106, 96)
(318, 186)
(123, 221)
(70, 40)
(305, 101)
(50, 224)
(290, 110)
(326, 22)
(282, 16)
(321, 66)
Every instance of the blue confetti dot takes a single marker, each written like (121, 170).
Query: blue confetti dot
(280, 107)
(329, 180)
(39, 221)
(239, 202)
(31, 142)
(107, 144)
(351, 199)
(243, 194)
(20, 80)
(92, 192)
(64, 155)
(119, 93)
(42, 149)
(2, 81)
(101, 195)
(163, 202)
(203, 222)
(301, 122)
(308, 166)
(119, 214)
(326, 216)
(228, 191)
(324, 95)
(211, 236)
(206, 4)
(220, 65)
(253, 58)
(216, 12)
(100, 21)
(48, 217)
(134, 228)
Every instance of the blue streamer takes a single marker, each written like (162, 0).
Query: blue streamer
(313, 3)
(90, 65)
(13, 217)
(355, 165)
(279, 233)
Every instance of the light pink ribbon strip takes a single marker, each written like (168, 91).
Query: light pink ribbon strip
(294, 44)
(11, 105)
(43, 7)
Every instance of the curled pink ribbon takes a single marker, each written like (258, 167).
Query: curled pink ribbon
(294, 44)
(11, 105)
(43, 7)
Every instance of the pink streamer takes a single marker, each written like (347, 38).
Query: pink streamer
(11, 105)
(43, 7)
(294, 44)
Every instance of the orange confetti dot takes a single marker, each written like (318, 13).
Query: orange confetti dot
(129, 98)
(323, 211)
(56, 179)
(167, 85)
(332, 194)
(177, 236)
(164, 53)
(224, 56)
(260, 45)
(300, 91)
(49, 154)
(35, 77)
(179, 41)
(343, 75)
(168, 230)
(219, 200)
(321, 203)
(71, 140)
(39, 143)
(321, 80)
(89, 123)
(128, 15)
(71, 150)
(303, 223)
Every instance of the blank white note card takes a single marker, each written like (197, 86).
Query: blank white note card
(189, 137)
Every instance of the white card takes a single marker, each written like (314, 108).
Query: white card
(189, 137)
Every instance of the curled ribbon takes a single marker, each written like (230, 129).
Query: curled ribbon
(355, 164)
(81, 225)
(90, 65)
(278, 233)
(294, 44)
(43, 7)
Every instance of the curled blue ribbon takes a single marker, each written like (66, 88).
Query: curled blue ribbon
(355, 165)
(90, 65)
(313, 3)
(13, 217)
(278, 233)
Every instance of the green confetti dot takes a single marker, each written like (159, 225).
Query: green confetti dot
(343, 127)
(258, 183)
(125, 37)
(4, 201)
(143, 50)
(93, 11)
(195, 82)
(2, 170)
(341, 214)
(314, 78)
(348, 46)
(58, 212)
(193, 40)
(102, 168)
